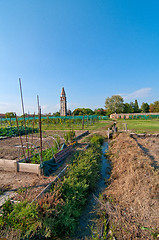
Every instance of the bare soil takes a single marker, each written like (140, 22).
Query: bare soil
(150, 146)
(26, 185)
(131, 199)
(9, 147)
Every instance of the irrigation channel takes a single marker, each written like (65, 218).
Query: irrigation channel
(90, 213)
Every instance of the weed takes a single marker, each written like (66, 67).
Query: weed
(154, 233)
(21, 190)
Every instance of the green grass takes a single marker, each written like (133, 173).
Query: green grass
(67, 125)
(140, 126)
(93, 126)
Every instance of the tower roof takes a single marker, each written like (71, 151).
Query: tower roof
(63, 92)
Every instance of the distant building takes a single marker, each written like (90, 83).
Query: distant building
(63, 103)
(2, 115)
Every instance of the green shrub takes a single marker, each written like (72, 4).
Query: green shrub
(97, 139)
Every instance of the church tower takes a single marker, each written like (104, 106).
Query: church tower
(63, 103)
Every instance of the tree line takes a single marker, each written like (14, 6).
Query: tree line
(115, 104)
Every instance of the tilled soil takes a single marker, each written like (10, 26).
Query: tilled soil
(26, 185)
(132, 198)
(150, 146)
(9, 147)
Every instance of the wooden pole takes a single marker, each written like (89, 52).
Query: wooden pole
(108, 133)
(83, 122)
(39, 114)
(32, 130)
(20, 137)
(23, 113)
(40, 135)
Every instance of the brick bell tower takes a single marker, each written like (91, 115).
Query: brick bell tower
(63, 103)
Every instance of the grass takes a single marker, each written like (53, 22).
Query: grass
(78, 126)
(140, 126)
(67, 125)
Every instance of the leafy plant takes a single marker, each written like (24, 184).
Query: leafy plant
(69, 136)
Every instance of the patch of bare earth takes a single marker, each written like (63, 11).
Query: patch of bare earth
(9, 147)
(132, 197)
(26, 185)
(150, 146)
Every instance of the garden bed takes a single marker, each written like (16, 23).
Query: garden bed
(9, 147)
(131, 199)
(14, 131)
(58, 211)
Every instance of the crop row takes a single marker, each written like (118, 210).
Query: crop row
(57, 213)
(13, 131)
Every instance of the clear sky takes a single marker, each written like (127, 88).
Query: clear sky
(92, 48)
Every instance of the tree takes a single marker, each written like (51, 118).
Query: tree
(100, 112)
(69, 113)
(145, 107)
(83, 111)
(57, 114)
(10, 115)
(114, 104)
(151, 107)
(128, 108)
(156, 106)
(136, 107)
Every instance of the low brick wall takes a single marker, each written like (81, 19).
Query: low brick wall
(126, 115)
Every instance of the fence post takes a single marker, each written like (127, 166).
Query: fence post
(108, 133)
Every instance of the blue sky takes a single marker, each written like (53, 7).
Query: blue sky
(92, 48)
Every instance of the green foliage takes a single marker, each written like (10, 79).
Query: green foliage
(96, 235)
(154, 233)
(69, 136)
(151, 107)
(10, 115)
(136, 107)
(128, 108)
(97, 139)
(100, 112)
(46, 155)
(145, 107)
(13, 131)
(156, 106)
(83, 111)
(114, 104)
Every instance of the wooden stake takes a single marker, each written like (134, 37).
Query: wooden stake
(40, 134)
(23, 113)
(20, 137)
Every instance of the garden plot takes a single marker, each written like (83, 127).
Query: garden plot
(24, 185)
(131, 199)
(9, 149)
(150, 146)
